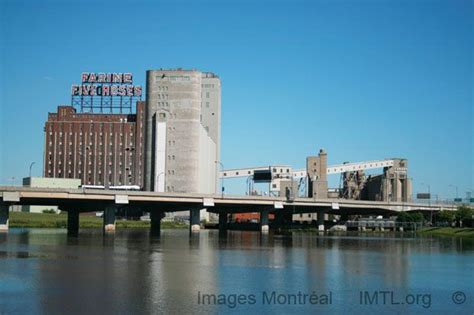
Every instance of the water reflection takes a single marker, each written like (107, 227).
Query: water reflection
(48, 271)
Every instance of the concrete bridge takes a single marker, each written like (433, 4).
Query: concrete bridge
(75, 201)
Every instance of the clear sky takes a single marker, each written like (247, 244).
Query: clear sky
(362, 79)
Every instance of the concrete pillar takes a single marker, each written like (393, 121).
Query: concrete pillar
(223, 221)
(72, 222)
(264, 227)
(321, 220)
(155, 221)
(194, 220)
(4, 215)
(109, 219)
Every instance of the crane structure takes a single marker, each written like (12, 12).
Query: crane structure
(287, 170)
(392, 185)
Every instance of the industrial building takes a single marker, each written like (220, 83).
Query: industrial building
(97, 148)
(169, 142)
(393, 185)
(183, 119)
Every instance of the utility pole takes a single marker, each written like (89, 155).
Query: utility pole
(222, 178)
(429, 201)
(31, 166)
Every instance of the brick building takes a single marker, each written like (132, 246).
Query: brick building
(99, 149)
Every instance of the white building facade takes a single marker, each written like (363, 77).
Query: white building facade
(183, 115)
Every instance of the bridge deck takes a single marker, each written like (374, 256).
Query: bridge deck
(86, 199)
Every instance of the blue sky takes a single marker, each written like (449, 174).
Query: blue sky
(362, 79)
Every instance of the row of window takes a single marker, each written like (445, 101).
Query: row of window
(90, 153)
(90, 172)
(90, 133)
(100, 144)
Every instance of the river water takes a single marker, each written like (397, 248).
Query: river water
(45, 271)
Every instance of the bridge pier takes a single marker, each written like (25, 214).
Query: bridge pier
(282, 219)
(195, 220)
(4, 217)
(109, 219)
(344, 217)
(321, 220)
(223, 220)
(155, 222)
(264, 227)
(72, 222)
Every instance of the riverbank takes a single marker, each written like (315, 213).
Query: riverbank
(46, 220)
(448, 231)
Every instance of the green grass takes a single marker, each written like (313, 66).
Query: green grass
(46, 220)
(448, 231)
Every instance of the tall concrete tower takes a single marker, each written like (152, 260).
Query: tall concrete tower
(183, 131)
(316, 166)
(211, 111)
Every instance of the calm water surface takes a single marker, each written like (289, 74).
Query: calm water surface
(45, 271)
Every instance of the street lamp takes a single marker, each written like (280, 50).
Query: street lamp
(31, 166)
(456, 189)
(248, 185)
(429, 201)
(222, 178)
(157, 183)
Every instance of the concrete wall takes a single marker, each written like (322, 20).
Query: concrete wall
(46, 182)
(207, 165)
(211, 114)
(175, 94)
(192, 117)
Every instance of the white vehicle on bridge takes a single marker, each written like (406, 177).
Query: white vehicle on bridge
(125, 187)
(93, 187)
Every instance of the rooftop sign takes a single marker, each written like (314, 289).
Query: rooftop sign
(111, 92)
(106, 84)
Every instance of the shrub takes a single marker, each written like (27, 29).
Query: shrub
(51, 211)
(410, 217)
(446, 216)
